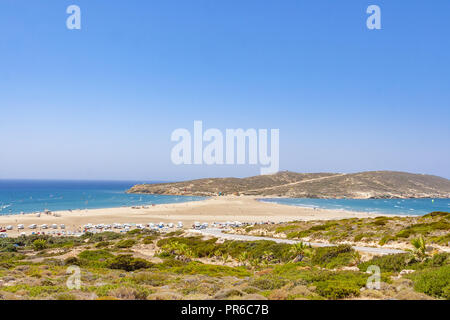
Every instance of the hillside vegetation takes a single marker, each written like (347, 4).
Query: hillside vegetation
(142, 264)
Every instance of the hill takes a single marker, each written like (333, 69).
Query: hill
(363, 185)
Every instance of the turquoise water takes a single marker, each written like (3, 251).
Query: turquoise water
(27, 196)
(388, 206)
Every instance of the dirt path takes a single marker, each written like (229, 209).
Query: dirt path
(297, 182)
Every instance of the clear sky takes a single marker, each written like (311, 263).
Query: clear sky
(102, 102)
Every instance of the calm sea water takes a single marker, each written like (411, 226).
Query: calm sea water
(388, 206)
(18, 196)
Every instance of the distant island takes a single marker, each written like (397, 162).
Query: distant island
(363, 185)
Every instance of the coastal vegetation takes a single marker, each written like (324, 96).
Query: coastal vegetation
(143, 264)
(432, 228)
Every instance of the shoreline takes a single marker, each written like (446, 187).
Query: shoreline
(339, 210)
(214, 209)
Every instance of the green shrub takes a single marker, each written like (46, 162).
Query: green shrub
(39, 244)
(126, 243)
(211, 270)
(283, 229)
(102, 244)
(101, 236)
(423, 228)
(388, 263)
(72, 261)
(149, 239)
(150, 278)
(380, 221)
(332, 257)
(433, 282)
(66, 296)
(9, 248)
(128, 263)
(298, 234)
(436, 214)
(95, 255)
(405, 233)
(199, 248)
(269, 282)
(325, 226)
(336, 290)
(279, 252)
(439, 259)
(134, 232)
(385, 239)
(174, 233)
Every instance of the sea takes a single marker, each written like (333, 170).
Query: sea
(416, 207)
(27, 196)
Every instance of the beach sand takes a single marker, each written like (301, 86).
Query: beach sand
(216, 209)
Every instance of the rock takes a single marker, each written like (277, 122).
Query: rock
(23, 268)
(183, 259)
(406, 271)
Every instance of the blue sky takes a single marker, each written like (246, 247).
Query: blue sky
(102, 102)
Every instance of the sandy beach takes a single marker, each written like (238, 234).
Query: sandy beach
(217, 209)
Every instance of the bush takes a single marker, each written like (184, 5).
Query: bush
(433, 282)
(331, 257)
(101, 236)
(388, 263)
(149, 239)
(95, 255)
(72, 261)
(134, 232)
(200, 248)
(39, 244)
(439, 259)
(149, 278)
(128, 263)
(436, 214)
(9, 248)
(385, 239)
(195, 268)
(268, 282)
(423, 228)
(66, 296)
(298, 234)
(336, 290)
(102, 244)
(126, 243)
(128, 293)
